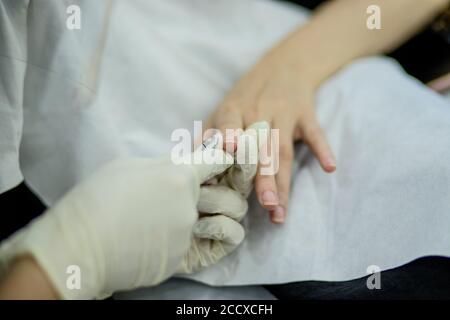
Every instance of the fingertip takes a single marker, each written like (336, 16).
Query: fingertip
(264, 204)
(266, 190)
(269, 208)
(278, 215)
(329, 164)
(269, 199)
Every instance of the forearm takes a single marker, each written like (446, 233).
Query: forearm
(26, 280)
(338, 34)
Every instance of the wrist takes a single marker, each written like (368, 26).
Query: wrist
(300, 57)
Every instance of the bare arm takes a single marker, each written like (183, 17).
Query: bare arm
(337, 33)
(26, 280)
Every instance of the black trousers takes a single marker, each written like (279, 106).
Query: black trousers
(424, 278)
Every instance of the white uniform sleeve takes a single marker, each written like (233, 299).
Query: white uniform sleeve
(13, 57)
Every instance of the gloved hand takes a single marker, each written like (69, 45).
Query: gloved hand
(128, 225)
(223, 205)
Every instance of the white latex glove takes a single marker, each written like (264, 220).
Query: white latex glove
(223, 205)
(217, 233)
(128, 225)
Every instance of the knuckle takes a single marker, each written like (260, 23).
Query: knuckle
(251, 116)
(232, 104)
(313, 133)
(264, 182)
(226, 125)
(286, 152)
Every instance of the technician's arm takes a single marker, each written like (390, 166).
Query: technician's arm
(26, 280)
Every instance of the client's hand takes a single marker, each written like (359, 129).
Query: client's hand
(275, 91)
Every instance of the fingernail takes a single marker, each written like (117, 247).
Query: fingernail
(269, 198)
(330, 162)
(278, 215)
